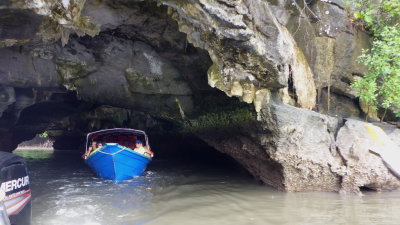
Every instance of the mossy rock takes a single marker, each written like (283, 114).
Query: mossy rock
(135, 79)
(221, 120)
(68, 72)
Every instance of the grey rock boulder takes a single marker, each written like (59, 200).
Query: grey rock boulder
(363, 168)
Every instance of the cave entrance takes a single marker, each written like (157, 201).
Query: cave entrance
(175, 155)
(139, 72)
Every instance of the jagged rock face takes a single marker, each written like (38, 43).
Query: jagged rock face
(158, 65)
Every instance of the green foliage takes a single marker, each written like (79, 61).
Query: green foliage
(44, 135)
(380, 86)
(223, 120)
(375, 13)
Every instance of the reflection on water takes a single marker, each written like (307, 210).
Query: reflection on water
(66, 192)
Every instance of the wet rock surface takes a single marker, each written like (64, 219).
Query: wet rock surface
(266, 82)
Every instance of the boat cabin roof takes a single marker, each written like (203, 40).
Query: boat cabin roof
(115, 131)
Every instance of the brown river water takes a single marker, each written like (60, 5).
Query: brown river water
(66, 192)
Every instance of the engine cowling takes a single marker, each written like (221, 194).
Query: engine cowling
(14, 181)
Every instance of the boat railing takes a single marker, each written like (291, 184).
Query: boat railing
(122, 149)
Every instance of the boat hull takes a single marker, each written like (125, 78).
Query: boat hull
(117, 163)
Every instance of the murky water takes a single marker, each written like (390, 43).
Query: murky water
(65, 192)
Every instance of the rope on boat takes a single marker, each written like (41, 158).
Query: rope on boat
(112, 153)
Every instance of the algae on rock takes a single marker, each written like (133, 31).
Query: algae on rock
(69, 72)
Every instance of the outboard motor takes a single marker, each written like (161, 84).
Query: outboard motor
(4, 220)
(14, 181)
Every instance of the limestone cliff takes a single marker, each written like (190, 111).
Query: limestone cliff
(266, 82)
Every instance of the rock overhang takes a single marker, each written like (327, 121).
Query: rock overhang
(151, 60)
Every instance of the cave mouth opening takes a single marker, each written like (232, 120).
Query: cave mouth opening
(185, 154)
(162, 100)
(62, 122)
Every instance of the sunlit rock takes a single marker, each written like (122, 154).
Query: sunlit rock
(363, 167)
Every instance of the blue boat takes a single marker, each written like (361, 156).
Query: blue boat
(116, 160)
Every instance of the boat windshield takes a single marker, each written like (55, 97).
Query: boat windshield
(122, 136)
